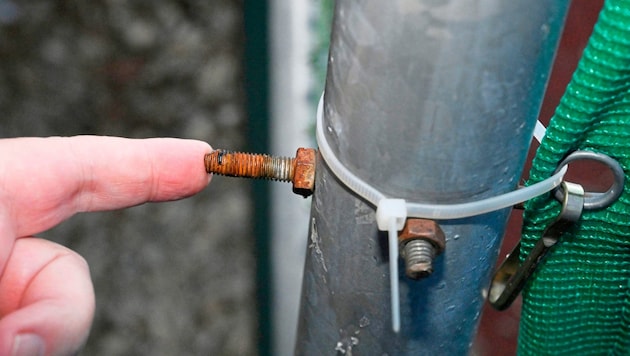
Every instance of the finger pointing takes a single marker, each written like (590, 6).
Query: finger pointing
(46, 180)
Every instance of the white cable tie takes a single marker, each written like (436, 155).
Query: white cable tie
(539, 131)
(391, 215)
(433, 211)
(479, 207)
(392, 239)
(357, 185)
(391, 209)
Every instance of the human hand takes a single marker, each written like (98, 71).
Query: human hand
(46, 295)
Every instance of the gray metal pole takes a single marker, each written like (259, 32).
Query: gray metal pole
(434, 102)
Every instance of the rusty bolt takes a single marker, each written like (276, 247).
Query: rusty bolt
(304, 171)
(299, 170)
(421, 240)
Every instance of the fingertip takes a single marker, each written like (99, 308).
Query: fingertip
(174, 168)
(197, 153)
(202, 146)
(205, 148)
(199, 150)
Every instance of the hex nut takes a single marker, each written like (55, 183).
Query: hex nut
(424, 229)
(304, 171)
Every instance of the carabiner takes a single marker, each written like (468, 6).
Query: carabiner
(510, 278)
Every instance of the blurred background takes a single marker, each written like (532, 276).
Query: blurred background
(170, 279)
(219, 273)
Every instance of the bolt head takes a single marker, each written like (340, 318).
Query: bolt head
(304, 171)
(424, 229)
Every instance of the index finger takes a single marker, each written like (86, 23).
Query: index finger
(43, 181)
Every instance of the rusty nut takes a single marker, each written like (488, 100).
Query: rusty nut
(424, 229)
(304, 171)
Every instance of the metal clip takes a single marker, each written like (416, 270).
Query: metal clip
(593, 200)
(510, 278)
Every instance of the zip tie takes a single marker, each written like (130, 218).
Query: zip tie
(539, 131)
(434, 211)
(390, 216)
(392, 213)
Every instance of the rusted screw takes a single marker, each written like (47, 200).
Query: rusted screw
(299, 170)
(421, 240)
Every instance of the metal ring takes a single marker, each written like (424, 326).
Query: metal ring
(593, 200)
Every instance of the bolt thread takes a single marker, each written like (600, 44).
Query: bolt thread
(418, 255)
(249, 165)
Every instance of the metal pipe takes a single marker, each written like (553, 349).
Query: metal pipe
(434, 102)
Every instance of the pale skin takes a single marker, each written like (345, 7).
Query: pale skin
(46, 295)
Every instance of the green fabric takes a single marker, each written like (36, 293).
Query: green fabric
(578, 301)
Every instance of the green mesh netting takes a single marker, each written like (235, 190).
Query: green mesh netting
(578, 301)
